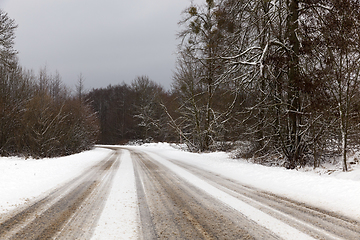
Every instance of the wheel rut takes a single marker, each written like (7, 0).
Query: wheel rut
(318, 223)
(178, 210)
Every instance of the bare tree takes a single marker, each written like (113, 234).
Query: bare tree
(80, 87)
(147, 110)
(200, 75)
(7, 37)
(340, 66)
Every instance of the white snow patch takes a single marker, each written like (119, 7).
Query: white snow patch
(120, 217)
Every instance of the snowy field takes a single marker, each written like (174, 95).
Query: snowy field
(23, 180)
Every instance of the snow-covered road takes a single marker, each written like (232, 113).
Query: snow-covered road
(157, 191)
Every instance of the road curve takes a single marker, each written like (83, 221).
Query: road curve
(68, 212)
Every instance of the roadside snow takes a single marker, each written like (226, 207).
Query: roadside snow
(120, 217)
(23, 180)
(339, 192)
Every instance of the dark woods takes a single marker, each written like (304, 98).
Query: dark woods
(132, 112)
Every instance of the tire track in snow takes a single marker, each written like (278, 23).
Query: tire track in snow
(315, 222)
(178, 210)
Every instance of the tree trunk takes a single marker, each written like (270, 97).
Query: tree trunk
(344, 150)
(343, 129)
(294, 92)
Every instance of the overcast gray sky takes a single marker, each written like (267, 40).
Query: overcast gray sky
(108, 41)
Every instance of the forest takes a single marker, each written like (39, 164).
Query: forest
(39, 116)
(276, 79)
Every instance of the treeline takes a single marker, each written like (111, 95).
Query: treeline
(132, 112)
(39, 116)
(280, 77)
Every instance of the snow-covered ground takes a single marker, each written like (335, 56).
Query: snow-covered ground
(22, 180)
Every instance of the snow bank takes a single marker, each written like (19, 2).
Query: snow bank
(24, 179)
(339, 192)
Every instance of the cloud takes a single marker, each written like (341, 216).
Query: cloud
(108, 41)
